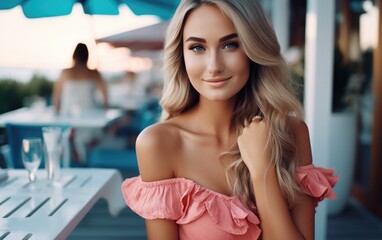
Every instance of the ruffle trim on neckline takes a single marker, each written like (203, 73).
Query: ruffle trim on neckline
(184, 201)
(317, 182)
(160, 200)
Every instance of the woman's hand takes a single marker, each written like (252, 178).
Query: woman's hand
(254, 146)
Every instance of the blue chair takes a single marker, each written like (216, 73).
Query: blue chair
(122, 159)
(145, 116)
(125, 159)
(17, 131)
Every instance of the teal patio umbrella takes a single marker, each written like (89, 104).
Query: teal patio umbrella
(164, 9)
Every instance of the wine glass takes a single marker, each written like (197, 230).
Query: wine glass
(31, 153)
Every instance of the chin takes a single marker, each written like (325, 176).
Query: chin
(219, 98)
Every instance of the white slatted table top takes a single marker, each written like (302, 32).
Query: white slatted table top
(95, 118)
(44, 211)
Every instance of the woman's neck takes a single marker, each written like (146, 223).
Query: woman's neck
(214, 116)
(79, 65)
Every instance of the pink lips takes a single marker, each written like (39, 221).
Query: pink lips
(216, 82)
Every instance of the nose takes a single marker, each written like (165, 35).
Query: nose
(215, 63)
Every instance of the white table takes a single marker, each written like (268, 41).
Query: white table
(96, 118)
(52, 212)
(90, 119)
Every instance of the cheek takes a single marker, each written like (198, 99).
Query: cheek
(194, 68)
(193, 65)
(240, 65)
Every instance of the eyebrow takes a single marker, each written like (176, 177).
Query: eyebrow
(222, 39)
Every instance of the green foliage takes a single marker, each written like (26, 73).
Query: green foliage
(39, 86)
(297, 83)
(13, 93)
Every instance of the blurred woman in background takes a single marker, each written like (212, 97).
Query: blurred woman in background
(76, 88)
(75, 92)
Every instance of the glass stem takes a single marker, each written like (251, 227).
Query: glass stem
(32, 177)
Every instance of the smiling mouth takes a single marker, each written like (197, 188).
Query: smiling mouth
(216, 83)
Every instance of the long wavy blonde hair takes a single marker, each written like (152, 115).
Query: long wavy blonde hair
(267, 92)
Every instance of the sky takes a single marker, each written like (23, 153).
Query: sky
(48, 43)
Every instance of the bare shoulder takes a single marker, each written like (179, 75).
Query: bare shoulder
(156, 146)
(65, 73)
(95, 74)
(66, 70)
(68, 74)
(300, 132)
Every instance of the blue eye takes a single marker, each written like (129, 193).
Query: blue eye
(197, 48)
(231, 45)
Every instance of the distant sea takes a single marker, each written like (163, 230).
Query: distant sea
(25, 74)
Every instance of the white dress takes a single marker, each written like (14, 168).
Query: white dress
(77, 96)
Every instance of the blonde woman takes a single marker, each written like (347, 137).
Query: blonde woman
(231, 157)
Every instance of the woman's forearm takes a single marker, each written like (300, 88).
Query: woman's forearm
(275, 217)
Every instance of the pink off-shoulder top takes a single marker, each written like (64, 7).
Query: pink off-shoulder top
(205, 214)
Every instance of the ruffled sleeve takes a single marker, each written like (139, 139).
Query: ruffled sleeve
(185, 201)
(154, 200)
(317, 182)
